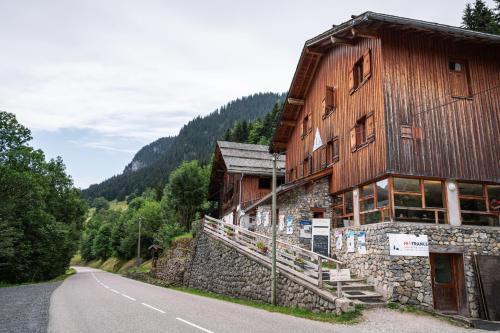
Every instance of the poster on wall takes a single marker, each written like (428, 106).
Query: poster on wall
(317, 140)
(289, 224)
(408, 245)
(338, 239)
(350, 241)
(281, 223)
(305, 232)
(361, 242)
(266, 219)
(258, 218)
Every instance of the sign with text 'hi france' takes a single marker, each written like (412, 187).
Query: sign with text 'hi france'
(408, 245)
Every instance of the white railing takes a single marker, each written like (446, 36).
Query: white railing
(303, 263)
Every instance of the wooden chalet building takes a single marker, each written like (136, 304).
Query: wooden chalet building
(241, 175)
(392, 125)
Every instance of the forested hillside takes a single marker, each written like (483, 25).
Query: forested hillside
(195, 141)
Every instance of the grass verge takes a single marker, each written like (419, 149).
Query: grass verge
(345, 318)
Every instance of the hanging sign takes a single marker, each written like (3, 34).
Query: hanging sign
(338, 239)
(361, 242)
(350, 241)
(305, 229)
(289, 224)
(266, 219)
(281, 223)
(317, 140)
(408, 245)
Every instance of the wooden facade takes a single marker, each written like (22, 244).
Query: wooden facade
(422, 118)
(389, 98)
(241, 175)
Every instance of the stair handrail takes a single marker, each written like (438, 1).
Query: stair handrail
(220, 230)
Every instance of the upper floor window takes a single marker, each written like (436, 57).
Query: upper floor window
(306, 125)
(363, 132)
(332, 151)
(265, 183)
(360, 72)
(459, 78)
(330, 101)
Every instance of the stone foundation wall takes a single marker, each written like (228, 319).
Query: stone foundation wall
(174, 263)
(297, 203)
(408, 279)
(222, 269)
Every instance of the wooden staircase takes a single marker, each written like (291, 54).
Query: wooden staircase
(359, 291)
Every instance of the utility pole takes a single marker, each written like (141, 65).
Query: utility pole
(273, 214)
(139, 243)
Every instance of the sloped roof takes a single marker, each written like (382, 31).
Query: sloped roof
(348, 32)
(249, 159)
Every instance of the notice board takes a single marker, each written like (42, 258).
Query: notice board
(487, 268)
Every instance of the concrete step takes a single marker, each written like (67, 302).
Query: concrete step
(362, 295)
(370, 304)
(358, 286)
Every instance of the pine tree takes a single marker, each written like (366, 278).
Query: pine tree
(481, 18)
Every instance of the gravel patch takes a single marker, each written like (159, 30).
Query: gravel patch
(26, 308)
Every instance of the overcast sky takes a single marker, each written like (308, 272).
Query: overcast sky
(96, 80)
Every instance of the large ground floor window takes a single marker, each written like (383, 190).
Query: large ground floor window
(479, 204)
(419, 200)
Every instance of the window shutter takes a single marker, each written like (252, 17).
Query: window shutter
(370, 126)
(330, 98)
(353, 138)
(351, 80)
(367, 64)
(359, 134)
(335, 148)
(309, 122)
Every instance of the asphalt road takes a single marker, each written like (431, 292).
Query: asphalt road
(97, 301)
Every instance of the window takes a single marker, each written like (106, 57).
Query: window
(332, 151)
(265, 183)
(373, 209)
(418, 200)
(330, 101)
(363, 132)
(479, 204)
(459, 78)
(318, 213)
(360, 72)
(342, 210)
(306, 125)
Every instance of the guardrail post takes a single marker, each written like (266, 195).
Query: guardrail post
(320, 273)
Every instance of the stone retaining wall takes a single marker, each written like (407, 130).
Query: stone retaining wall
(408, 279)
(219, 268)
(298, 203)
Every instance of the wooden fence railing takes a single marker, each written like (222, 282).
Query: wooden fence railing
(309, 266)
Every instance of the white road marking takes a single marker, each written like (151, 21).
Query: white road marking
(152, 307)
(130, 298)
(115, 291)
(105, 286)
(194, 325)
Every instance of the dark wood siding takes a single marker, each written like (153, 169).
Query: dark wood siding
(333, 70)
(460, 138)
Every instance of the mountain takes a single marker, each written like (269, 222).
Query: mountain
(152, 164)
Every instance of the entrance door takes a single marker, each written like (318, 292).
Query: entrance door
(447, 281)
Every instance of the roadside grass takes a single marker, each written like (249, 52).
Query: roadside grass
(345, 318)
(145, 267)
(68, 273)
(187, 235)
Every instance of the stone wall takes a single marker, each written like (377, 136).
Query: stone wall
(408, 279)
(174, 263)
(222, 269)
(297, 203)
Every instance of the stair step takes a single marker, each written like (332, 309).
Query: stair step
(370, 304)
(361, 295)
(358, 286)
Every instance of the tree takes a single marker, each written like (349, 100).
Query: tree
(100, 203)
(41, 213)
(479, 17)
(186, 191)
(102, 242)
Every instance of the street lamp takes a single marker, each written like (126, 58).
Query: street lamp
(139, 243)
(273, 219)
